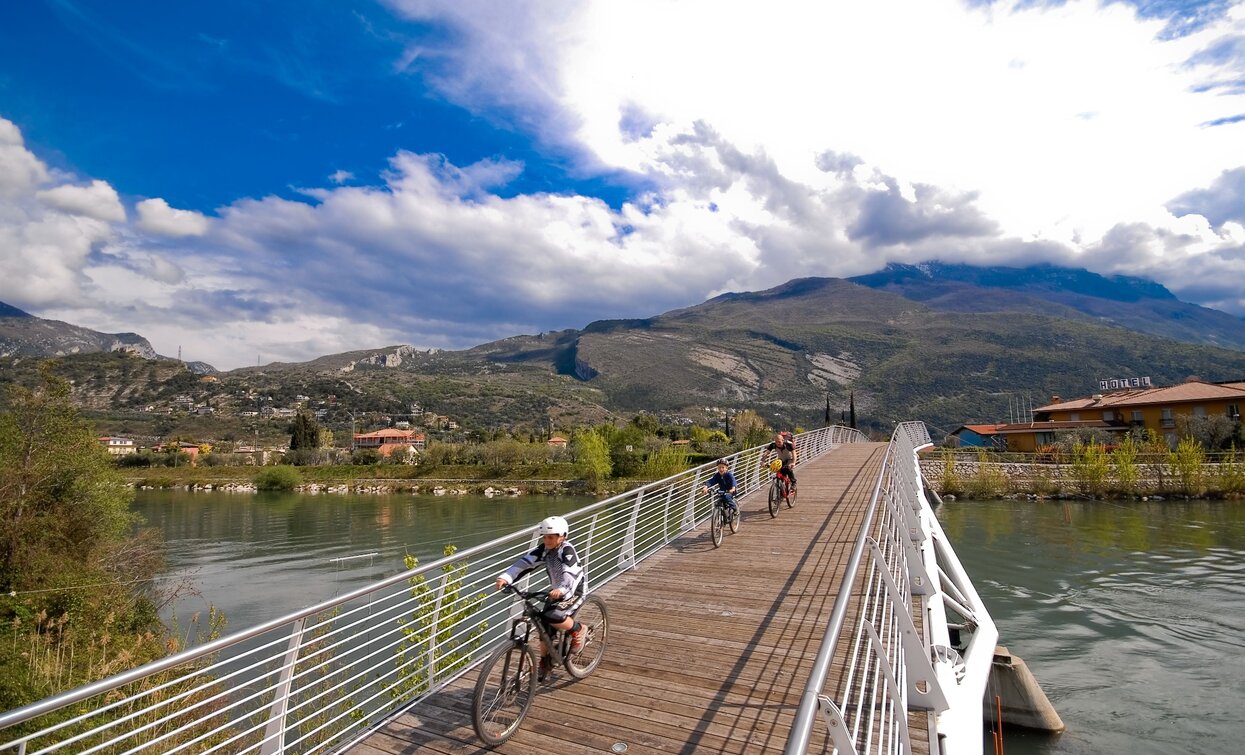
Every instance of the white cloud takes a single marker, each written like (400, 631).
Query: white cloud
(96, 200)
(1064, 119)
(799, 139)
(20, 170)
(155, 216)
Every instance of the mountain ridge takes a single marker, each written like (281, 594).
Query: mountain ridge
(788, 352)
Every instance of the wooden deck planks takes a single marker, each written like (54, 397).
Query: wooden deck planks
(710, 649)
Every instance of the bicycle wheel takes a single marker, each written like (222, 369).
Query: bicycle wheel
(734, 518)
(773, 499)
(595, 620)
(790, 495)
(504, 692)
(715, 525)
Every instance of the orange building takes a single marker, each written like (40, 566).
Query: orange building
(1122, 410)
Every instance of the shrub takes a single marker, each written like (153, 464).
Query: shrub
(951, 481)
(1124, 461)
(1188, 463)
(1232, 474)
(1090, 466)
(988, 481)
(278, 478)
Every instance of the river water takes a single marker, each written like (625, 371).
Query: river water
(1129, 614)
(260, 556)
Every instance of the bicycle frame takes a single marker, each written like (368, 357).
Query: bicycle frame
(533, 618)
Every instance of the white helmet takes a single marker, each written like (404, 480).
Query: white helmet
(554, 525)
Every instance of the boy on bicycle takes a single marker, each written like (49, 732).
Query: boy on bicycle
(724, 481)
(566, 576)
(784, 448)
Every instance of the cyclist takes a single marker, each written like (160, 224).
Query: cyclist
(724, 481)
(784, 448)
(566, 579)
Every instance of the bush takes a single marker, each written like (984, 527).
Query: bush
(1188, 463)
(278, 478)
(1124, 460)
(1091, 466)
(988, 481)
(364, 457)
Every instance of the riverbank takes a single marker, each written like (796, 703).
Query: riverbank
(381, 480)
(959, 477)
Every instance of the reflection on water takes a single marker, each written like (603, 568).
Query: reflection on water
(1129, 615)
(257, 557)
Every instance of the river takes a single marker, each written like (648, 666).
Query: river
(1129, 614)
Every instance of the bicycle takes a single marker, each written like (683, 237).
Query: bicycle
(508, 678)
(780, 490)
(723, 514)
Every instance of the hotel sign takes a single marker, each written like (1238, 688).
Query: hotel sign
(1114, 384)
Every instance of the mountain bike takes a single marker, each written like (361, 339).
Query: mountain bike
(723, 515)
(508, 678)
(780, 491)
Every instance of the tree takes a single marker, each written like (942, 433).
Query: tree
(852, 409)
(63, 507)
(592, 458)
(304, 433)
(65, 523)
(750, 429)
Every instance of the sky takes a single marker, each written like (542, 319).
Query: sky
(255, 182)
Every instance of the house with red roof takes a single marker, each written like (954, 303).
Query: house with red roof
(1120, 411)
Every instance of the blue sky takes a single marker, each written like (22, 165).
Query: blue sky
(282, 180)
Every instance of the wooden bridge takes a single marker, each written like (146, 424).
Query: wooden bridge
(710, 649)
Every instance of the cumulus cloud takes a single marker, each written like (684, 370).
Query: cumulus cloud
(827, 140)
(97, 200)
(155, 216)
(20, 170)
(1222, 201)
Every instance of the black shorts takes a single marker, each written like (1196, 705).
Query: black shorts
(559, 611)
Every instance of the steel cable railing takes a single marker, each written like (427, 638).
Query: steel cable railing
(896, 659)
(319, 678)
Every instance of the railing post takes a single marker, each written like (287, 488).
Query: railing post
(626, 559)
(274, 732)
(924, 691)
(689, 510)
(665, 515)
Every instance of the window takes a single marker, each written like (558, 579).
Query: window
(1199, 411)
(1234, 411)
(1168, 419)
(1108, 415)
(1074, 417)
(1138, 418)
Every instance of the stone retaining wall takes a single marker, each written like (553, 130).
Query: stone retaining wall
(1053, 479)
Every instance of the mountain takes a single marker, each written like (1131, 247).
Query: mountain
(1134, 303)
(785, 352)
(24, 335)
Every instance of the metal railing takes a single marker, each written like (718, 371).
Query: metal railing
(318, 679)
(897, 658)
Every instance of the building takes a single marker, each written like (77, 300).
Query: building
(190, 449)
(118, 446)
(391, 438)
(557, 441)
(979, 436)
(1158, 409)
